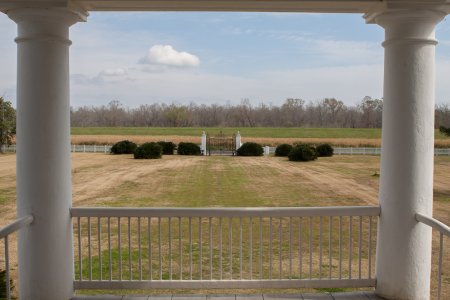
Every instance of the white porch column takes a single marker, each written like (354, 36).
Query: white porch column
(406, 182)
(43, 152)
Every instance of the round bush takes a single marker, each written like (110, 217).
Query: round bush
(123, 147)
(283, 150)
(188, 149)
(250, 149)
(167, 147)
(302, 153)
(148, 151)
(324, 150)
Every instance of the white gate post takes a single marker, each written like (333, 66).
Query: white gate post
(238, 140)
(406, 179)
(45, 249)
(203, 146)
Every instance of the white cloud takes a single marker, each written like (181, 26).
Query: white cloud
(114, 72)
(167, 55)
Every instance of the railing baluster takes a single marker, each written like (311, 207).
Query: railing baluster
(89, 248)
(80, 260)
(220, 248)
(441, 250)
(190, 248)
(370, 248)
(270, 248)
(310, 247)
(240, 248)
(129, 249)
(280, 254)
(170, 248)
(120, 247)
(300, 252)
(260, 250)
(230, 228)
(320, 246)
(200, 247)
(251, 248)
(109, 249)
(7, 279)
(139, 248)
(350, 248)
(340, 247)
(360, 247)
(210, 250)
(180, 251)
(99, 237)
(149, 236)
(290, 247)
(330, 243)
(159, 248)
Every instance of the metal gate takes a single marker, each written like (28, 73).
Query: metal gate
(221, 144)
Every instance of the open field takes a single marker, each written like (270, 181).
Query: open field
(351, 137)
(106, 180)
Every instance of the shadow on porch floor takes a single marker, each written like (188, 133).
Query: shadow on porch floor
(306, 296)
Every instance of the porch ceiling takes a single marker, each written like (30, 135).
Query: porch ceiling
(319, 6)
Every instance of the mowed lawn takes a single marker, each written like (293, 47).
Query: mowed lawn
(260, 132)
(104, 180)
(184, 181)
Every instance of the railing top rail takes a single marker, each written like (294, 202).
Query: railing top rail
(227, 211)
(438, 225)
(16, 225)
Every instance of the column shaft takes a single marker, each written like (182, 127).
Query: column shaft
(406, 182)
(43, 153)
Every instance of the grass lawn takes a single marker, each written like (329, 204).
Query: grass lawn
(258, 132)
(177, 181)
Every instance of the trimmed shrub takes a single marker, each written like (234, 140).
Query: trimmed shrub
(148, 151)
(283, 150)
(167, 147)
(324, 150)
(250, 149)
(188, 149)
(302, 153)
(3, 284)
(444, 130)
(123, 147)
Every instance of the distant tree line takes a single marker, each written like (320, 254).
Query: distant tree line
(293, 112)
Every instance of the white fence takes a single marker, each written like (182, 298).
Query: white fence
(142, 248)
(73, 148)
(267, 150)
(367, 151)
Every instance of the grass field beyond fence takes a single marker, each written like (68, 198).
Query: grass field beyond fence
(262, 132)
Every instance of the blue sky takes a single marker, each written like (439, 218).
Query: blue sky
(140, 58)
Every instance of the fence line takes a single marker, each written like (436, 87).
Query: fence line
(267, 150)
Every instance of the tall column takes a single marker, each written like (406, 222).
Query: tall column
(406, 181)
(43, 152)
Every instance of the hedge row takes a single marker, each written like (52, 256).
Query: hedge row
(304, 152)
(154, 150)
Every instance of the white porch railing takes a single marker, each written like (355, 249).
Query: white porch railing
(141, 248)
(5, 232)
(443, 230)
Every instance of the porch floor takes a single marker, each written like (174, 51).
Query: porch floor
(306, 296)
